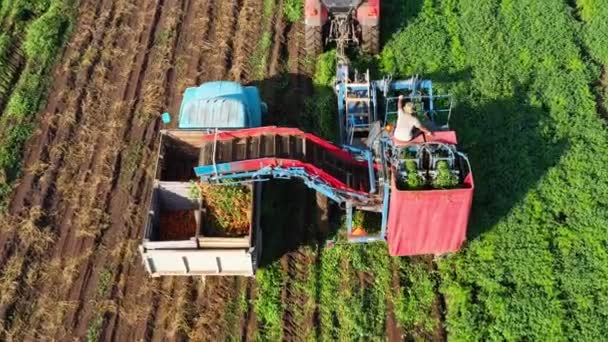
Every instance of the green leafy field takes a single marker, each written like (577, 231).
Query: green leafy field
(33, 31)
(528, 113)
(536, 266)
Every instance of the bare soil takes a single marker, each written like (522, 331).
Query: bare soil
(88, 171)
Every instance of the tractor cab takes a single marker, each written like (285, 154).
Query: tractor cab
(343, 22)
(221, 104)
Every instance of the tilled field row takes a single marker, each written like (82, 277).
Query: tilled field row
(72, 269)
(76, 272)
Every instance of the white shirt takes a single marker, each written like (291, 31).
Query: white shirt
(405, 126)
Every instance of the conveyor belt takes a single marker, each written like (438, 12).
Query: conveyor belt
(252, 149)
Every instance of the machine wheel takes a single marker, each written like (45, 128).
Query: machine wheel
(371, 39)
(314, 40)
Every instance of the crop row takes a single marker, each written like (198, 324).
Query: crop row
(526, 114)
(44, 27)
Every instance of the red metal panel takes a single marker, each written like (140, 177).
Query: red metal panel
(315, 14)
(428, 222)
(368, 13)
(446, 137)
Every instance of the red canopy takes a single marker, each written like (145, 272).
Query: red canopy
(429, 221)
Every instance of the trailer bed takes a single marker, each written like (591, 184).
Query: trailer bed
(180, 232)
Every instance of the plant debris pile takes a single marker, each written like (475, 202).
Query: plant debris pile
(228, 209)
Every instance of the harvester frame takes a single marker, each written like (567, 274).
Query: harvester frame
(288, 153)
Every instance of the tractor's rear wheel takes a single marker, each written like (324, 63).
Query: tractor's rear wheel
(371, 39)
(314, 40)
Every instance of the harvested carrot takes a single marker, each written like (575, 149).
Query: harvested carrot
(177, 225)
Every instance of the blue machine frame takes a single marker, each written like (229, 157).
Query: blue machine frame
(349, 92)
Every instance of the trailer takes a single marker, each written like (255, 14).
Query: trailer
(181, 234)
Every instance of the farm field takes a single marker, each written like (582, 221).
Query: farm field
(82, 85)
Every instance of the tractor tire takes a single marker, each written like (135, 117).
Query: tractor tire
(370, 39)
(314, 40)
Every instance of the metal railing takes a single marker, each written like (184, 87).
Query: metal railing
(419, 100)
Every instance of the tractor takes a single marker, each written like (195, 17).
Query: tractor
(180, 232)
(343, 22)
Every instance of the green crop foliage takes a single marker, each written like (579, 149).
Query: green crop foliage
(414, 180)
(322, 115)
(259, 59)
(413, 304)
(5, 42)
(268, 307)
(293, 10)
(194, 191)
(445, 178)
(325, 70)
(594, 13)
(46, 26)
(534, 268)
(363, 285)
(46, 35)
(103, 289)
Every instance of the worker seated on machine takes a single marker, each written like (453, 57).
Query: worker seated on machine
(407, 123)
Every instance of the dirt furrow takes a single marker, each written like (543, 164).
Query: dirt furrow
(14, 64)
(209, 325)
(130, 294)
(51, 121)
(177, 76)
(23, 309)
(145, 325)
(87, 285)
(278, 51)
(249, 320)
(297, 319)
(221, 43)
(79, 153)
(247, 35)
(159, 324)
(130, 177)
(134, 298)
(203, 41)
(139, 182)
(601, 97)
(94, 217)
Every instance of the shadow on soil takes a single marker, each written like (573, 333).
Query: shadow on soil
(288, 206)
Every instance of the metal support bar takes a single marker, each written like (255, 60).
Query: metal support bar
(349, 219)
(370, 169)
(313, 182)
(366, 239)
(385, 204)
